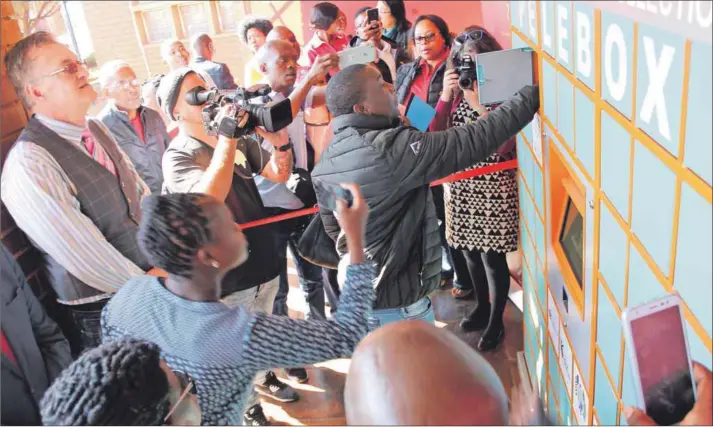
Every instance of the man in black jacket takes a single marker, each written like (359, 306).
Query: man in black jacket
(34, 351)
(394, 164)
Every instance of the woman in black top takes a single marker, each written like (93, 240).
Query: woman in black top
(392, 14)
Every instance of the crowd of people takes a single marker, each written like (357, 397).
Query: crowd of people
(176, 315)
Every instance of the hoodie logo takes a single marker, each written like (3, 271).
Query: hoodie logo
(416, 147)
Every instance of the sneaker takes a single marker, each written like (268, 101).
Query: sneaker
(255, 416)
(297, 374)
(276, 389)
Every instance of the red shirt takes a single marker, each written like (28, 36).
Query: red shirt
(138, 126)
(422, 82)
(7, 350)
(317, 47)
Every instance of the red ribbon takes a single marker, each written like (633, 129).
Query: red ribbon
(497, 167)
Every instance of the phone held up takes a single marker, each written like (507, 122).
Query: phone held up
(660, 359)
(362, 54)
(330, 193)
(372, 15)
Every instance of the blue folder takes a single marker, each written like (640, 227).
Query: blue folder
(419, 113)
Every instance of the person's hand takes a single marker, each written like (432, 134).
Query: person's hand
(371, 32)
(157, 272)
(277, 139)
(526, 408)
(240, 115)
(352, 220)
(321, 66)
(450, 84)
(700, 415)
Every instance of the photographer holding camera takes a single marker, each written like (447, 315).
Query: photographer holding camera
(224, 166)
(478, 237)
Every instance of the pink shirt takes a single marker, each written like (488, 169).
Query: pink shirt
(316, 47)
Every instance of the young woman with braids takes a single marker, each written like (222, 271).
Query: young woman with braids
(123, 382)
(193, 238)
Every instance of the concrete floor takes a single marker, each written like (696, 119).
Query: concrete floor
(321, 398)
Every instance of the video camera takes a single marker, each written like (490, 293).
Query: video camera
(271, 117)
(465, 67)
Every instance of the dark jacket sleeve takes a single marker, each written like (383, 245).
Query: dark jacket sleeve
(226, 77)
(50, 340)
(418, 158)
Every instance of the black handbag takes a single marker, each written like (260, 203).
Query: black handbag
(317, 247)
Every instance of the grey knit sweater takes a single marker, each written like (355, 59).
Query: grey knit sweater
(223, 348)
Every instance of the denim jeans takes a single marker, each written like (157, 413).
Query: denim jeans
(86, 325)
(309, 275)
(255, 300)
(421, 309)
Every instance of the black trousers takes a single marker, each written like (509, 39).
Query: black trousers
(487, 273)
(437, 192)
(85, 326)
(288, 234)
(332, 289)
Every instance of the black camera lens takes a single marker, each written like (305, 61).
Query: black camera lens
(465, 82)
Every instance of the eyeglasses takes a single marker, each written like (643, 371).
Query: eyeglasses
(127, 84)
(187, 385)
(474, 35)
(428, 38)
(72, 68)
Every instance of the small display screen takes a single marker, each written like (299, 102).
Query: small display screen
(572, 238)
(660, 348)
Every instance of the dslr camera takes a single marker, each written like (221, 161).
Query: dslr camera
(465, 67)
(272, 117)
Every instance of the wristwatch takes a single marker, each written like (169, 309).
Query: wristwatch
(286, 147)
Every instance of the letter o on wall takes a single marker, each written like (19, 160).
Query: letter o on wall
(616, 85)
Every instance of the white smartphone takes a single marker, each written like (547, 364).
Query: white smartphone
(660, 359)
(363, 54)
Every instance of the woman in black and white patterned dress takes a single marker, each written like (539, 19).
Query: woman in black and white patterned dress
(481, 212)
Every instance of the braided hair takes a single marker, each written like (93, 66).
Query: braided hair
(117, 383)
(173, 228)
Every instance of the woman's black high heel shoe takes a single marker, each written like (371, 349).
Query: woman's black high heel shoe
(489, 344)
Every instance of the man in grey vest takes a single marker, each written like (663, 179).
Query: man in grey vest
(68, 185)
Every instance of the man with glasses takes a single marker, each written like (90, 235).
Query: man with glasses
(122, 382)
(138, 130)
(69, 186)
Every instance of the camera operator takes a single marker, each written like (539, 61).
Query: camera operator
(224, 168)
(277, 60)
(394, 165)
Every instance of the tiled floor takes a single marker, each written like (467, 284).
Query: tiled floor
(321, 398)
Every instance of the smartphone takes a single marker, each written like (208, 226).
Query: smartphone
(372, 15)
(660, 359)
(330, 193)
(363, 54)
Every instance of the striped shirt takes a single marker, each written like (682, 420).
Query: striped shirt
(42, 200)
(223, 348)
